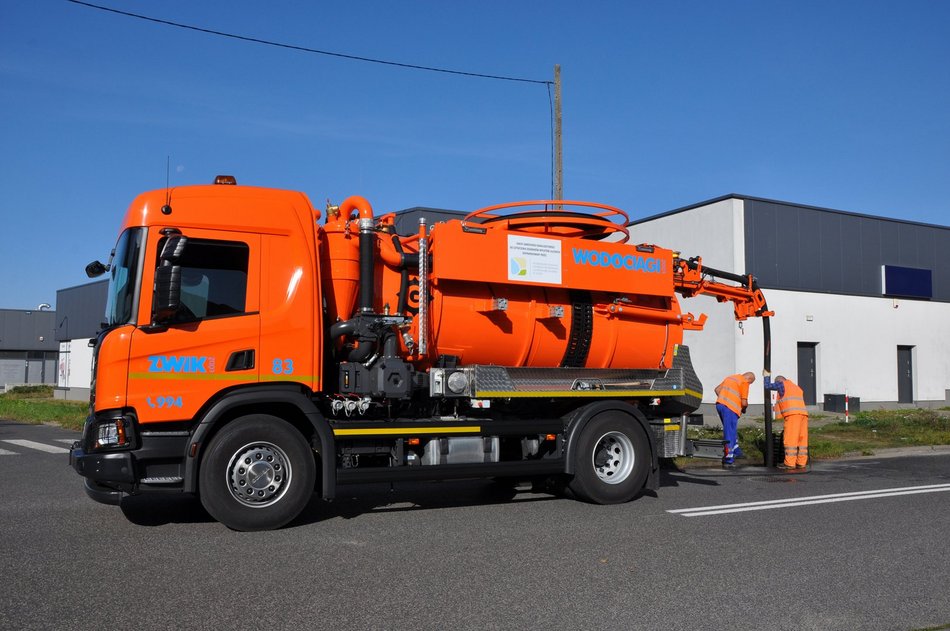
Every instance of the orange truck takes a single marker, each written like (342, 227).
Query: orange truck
(257, 351)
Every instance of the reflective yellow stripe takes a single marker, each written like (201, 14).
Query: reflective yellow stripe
(192, 376)
(408, 431)
(304, 378)
(214, 376)
(505, 394)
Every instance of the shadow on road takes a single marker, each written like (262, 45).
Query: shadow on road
(161, 510)
(357, 500)
(671, 475)
(351, 502)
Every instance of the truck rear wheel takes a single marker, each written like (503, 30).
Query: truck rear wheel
(611, 461)
(257, 474)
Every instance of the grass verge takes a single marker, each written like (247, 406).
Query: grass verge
(35, 404)
(869, 431)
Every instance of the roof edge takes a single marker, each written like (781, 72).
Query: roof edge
(766, 200)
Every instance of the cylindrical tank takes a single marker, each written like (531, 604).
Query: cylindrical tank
(527, 334)
(529, 293)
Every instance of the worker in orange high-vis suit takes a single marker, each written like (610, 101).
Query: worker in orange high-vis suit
(732, 398)
(791, 406)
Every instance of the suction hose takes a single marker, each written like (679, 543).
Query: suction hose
(367, 273)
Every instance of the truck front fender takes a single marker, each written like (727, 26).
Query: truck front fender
(262, 398)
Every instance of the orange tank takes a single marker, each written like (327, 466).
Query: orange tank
(535, 288)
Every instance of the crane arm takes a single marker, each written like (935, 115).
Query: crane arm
(690, 279)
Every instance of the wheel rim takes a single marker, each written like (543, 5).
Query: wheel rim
(613, 457)
(259, 474)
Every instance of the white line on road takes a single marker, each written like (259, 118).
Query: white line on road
(4, 452)
(50, 449)
(68, 441)
(806, 501)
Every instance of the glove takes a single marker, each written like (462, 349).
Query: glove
(744, 409)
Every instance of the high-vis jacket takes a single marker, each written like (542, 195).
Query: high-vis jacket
(732, 391)
(793, 402)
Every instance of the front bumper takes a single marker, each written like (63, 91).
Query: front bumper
(108, 475)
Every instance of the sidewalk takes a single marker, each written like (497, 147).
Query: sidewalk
(897, 452)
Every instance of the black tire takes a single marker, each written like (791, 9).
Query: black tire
(257, 474)
(611, 461)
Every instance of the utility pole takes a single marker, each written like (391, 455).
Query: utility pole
(558, 166)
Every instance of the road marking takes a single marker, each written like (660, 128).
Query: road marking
(4, 452)
(703, 511)
(68, 441)
(50, 449)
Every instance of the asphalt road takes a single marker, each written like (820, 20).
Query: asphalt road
(468, 556)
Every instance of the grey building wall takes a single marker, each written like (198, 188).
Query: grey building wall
(407, 221)
(804, 248)
(80, 310)
(27, 330)
(27, 347)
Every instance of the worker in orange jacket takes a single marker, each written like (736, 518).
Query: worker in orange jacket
(791, 406)
(731, 402)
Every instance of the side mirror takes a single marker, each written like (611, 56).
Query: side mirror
(172, 249)
(167, 294)
(166, 302)
(96, 269)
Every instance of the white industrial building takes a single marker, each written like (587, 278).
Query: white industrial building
(80, 311)
(862, 303)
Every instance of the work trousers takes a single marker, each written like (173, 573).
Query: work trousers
(730, 432)
(795, 440)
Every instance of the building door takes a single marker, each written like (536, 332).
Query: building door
(905, 374)
(806, 371)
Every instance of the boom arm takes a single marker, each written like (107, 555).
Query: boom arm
(690, 279)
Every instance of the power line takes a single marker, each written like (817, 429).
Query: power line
(304, 49)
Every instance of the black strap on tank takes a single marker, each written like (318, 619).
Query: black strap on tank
(582, 327)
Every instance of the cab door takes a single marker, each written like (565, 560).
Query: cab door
(211, 342)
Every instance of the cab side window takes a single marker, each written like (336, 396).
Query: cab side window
(213, 279)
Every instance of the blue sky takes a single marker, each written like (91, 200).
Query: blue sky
(844, 105)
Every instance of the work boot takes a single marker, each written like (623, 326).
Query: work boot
(784, 467)
(738, 453)
(728, 464)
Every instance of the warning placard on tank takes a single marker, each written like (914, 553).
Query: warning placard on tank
(533, 260)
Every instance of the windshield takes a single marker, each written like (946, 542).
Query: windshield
(124, 277)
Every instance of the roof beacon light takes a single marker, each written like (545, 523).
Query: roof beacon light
(226, 179)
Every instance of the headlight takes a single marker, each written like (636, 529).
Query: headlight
(111, 433)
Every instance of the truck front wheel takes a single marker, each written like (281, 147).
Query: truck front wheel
(257, 474)
(611, 461)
